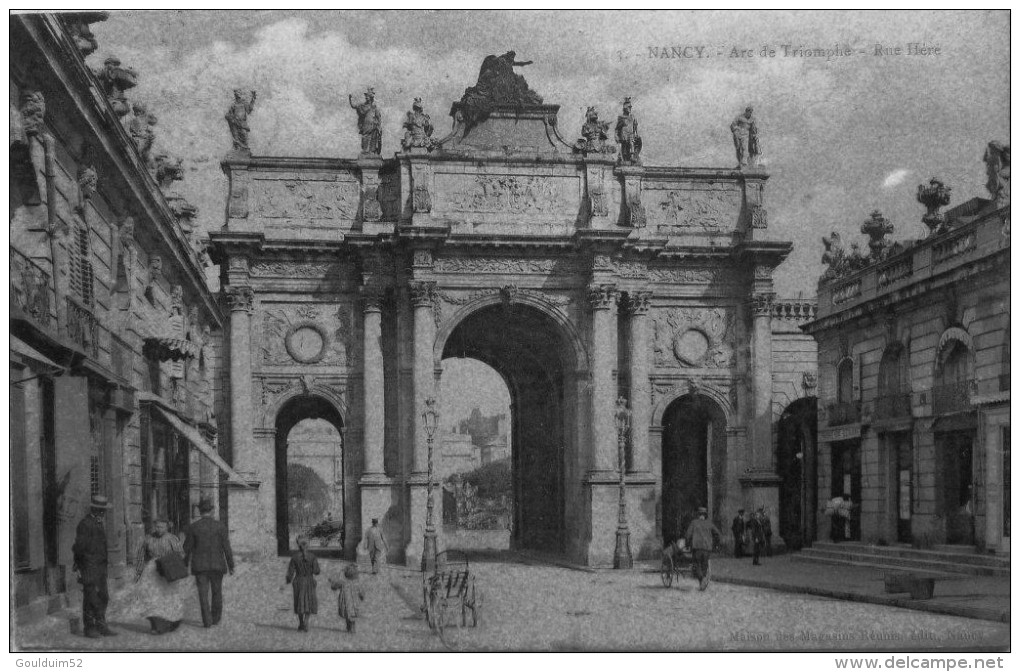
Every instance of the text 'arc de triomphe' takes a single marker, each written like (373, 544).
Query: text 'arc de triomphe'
(577, 276)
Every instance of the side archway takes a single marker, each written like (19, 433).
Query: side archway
(797, 468)
(693, 462)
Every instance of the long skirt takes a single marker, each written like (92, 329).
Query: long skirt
(155, 597)
(305, 599)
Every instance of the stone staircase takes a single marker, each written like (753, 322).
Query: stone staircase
(955, 560)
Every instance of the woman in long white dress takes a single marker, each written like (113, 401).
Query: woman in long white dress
(158, 600)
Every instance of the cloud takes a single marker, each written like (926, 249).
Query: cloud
(895, 178)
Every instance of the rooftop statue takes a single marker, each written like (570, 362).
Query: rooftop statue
(418, 127)
(627, 135)
(141, 130)
(745, 139)
(594, 134)
(996, 160)
(369, 123)
(237, 119)
(497, 84)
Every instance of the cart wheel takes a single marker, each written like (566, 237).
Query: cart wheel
(667, 571)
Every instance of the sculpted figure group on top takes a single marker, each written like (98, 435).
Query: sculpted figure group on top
(497, 85)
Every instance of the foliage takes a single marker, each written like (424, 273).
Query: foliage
(492, 480)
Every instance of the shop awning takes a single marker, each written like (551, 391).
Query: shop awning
(26, 350)
(199, 442)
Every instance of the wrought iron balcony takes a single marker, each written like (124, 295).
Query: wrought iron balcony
(844, 413)
(30, 288)
(83, 327)
(951, 398)
(891, 406)
(1003, 382)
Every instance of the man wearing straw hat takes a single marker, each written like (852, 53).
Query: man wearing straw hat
(90, 560)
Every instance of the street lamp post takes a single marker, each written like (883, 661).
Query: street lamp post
(622, 558)
(430, 418)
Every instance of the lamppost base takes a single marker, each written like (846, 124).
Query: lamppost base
(622, 558)
(428, 553)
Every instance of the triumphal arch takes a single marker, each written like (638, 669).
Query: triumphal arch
(576, 272)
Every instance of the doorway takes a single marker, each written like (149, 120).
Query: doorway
(956, 478)
(310, 495)
(846, 479)
(693, 463)
(797, 467)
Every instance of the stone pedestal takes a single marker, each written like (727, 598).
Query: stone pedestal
(604, 497)
(249, 537)
(417, 501)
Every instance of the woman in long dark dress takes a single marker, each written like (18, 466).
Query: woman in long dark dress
(301, 575)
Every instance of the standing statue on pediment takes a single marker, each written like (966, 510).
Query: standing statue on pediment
(418, 127)
(996, 160)
(237, 119)
(369, 123)
(627, 135)
(745, 139)
(140, 128)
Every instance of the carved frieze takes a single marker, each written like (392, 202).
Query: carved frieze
(514, 194)
(268, 389)
(629, 269)
(307, 334)
(294, 269)
(512, 265)
(693, 337)
(687, 276)
(709, 210)
(306, 199)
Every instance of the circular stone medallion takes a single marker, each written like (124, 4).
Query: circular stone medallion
(690, 347)
(306, 344)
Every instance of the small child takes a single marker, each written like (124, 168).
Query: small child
(348, 596)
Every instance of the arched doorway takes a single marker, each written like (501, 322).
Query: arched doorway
(797, 467)
(309, 473)
(527, 348)
(693, 463)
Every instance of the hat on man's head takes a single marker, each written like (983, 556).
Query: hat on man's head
(205, 505)
(100, 502)
(702, 509)
(740, 510)
(375, 521)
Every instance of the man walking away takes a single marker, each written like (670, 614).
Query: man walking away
(738, 527)
(207, 549)
(766, 526)
(757, 534)
(702, 537)
(375, 543)
(90, 560)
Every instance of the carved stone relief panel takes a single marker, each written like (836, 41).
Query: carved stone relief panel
(294, 269)
(536, 195)
(308, 333)
(306, 199)
(512, 265)
(688, 275)
(703, 208)
(693, 337)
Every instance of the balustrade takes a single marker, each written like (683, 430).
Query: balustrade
(892, 406)
(844, 413)
(951, 398)
(83, 327)
(30, 288)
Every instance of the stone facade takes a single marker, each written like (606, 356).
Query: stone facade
(913, 378)
(112, 326)
(654, 283)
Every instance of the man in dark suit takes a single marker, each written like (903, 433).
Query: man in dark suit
(738, 527)
(90, 560)
(207, 550)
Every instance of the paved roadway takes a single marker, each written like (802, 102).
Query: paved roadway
(543, 608)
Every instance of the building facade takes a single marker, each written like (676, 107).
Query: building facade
(913, 366)
(579, 277)
(114, 333)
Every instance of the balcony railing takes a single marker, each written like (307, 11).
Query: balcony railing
(83, 328)
(1003, 382)
(951, 398)
(891, 406)
(30, 288)
(844, 413)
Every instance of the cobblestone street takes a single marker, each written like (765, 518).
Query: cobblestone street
(543, 608)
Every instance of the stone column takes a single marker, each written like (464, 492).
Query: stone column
(602, 299)
(640, 390)
(761, 382)
(244, 504)
(423, 382)
(374, 400)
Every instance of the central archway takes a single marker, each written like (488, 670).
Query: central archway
(309, 486)
(529, 350)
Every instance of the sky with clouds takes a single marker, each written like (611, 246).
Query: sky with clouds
(841, 136)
